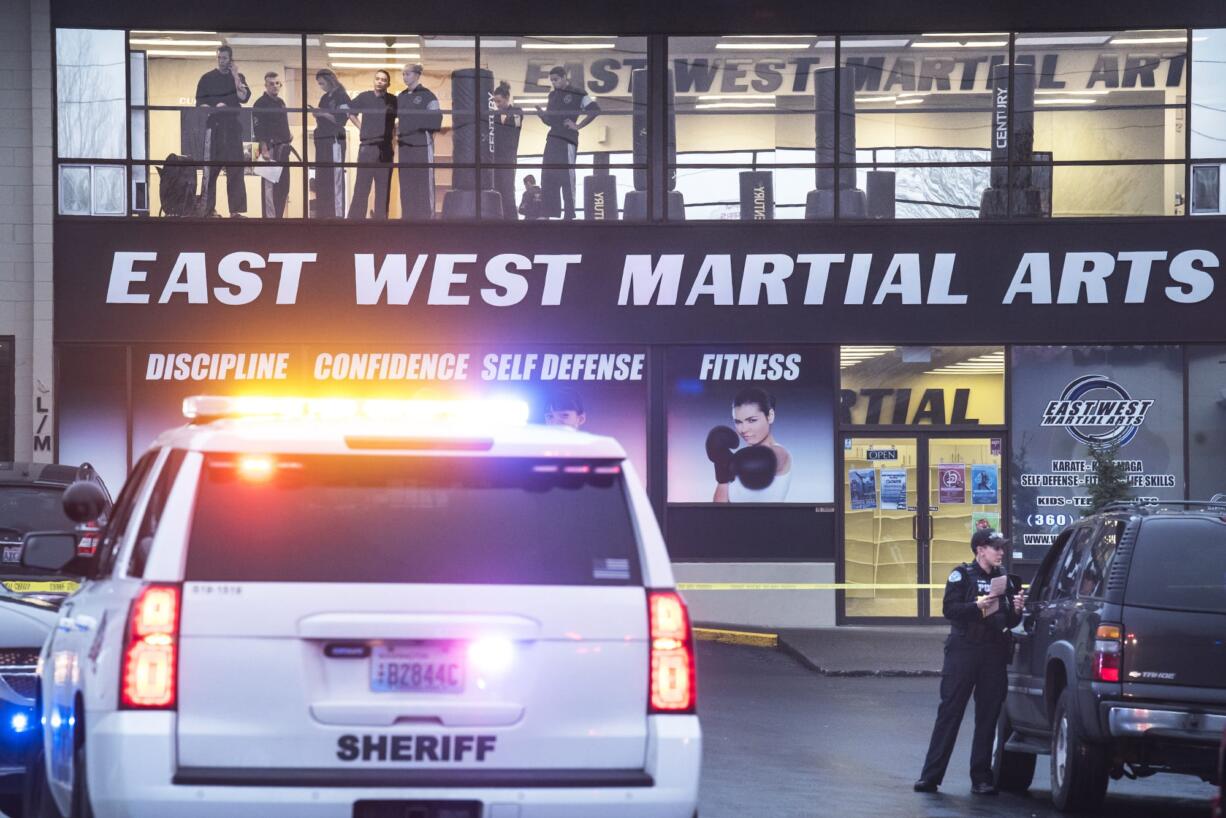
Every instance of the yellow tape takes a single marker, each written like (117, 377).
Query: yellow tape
(804, 586)
(25, 587)
(758, 640)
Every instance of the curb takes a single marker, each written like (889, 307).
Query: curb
(730, 637)
(811, 665)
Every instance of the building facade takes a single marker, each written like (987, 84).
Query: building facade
(930, 271)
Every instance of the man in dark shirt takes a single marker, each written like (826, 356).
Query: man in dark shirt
(224, 89)
(420, 117)
(562, 115)
(273, 135)
(532, 205)
(330, 117)
(976, 660)
(377, 110)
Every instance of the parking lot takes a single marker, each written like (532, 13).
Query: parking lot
(783, 741)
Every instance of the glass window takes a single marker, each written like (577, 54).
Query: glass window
(921, 386)
(1179, 564)
(1065, 580)
(745, 113)
(926, 98)
(1209, 93)
(232, 105)
(1206, 421)
(1113, 190)
(1104, 96)
(448, 520)
(1098, 559)
(121, 514)
(1206, 189)
(153, 512)
(90, 96)
(400, 130)
(571, 112)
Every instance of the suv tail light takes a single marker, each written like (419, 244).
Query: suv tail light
(672, 654)
(151, 650)
(1108, 653)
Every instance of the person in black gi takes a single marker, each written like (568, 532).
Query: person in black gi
(378, 121)
(420, 116)
(508, 120)
(273, 135)
(562, 115)
(225, 89)
(330, 117)
(977, 653)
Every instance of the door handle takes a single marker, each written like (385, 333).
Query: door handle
(915, 528)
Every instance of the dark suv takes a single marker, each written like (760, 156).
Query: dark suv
(1120, 665)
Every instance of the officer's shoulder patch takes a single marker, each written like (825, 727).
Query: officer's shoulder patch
(955, 575)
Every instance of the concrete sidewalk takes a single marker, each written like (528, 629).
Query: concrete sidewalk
(864, 651)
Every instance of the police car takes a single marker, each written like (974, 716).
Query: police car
(366, 609)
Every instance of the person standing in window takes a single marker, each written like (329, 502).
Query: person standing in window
(420, 118)
(508, 120)
(224, 89)
(377, 110)
(330, 117)
(273, 135)
(567, 111)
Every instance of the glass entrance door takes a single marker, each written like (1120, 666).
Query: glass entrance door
(909, 507)
(964, 479)
(881, 494)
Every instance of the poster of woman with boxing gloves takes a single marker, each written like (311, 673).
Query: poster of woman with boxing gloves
(750, 425)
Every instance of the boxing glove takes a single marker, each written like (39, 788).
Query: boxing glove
(720, 442)
(755, 466)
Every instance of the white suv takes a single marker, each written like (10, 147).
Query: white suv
(298, 610)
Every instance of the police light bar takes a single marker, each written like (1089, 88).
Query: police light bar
(482, 414)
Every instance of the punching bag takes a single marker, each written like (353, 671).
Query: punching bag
(835, 101)
(636, 200)
(757, 195)
(600, 191)
(472, 133)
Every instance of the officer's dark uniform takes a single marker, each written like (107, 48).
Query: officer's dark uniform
(561, 148)
(223, 136)
(420, 116)
(378, 118)
(271, 126)
(329, 139)
(977, 653)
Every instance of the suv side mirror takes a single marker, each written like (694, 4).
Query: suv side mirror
(84, 501)
(48, 550)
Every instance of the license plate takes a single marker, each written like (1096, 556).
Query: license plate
(417, 667)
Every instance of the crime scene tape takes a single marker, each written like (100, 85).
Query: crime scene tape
(806, 586)
(26, 587)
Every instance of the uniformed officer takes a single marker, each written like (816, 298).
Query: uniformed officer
(977, 654)
(567, 111)
(271, 126)
(378, 119)
(224, 89)
(420, 117)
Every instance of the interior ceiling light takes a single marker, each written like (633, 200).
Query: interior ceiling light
(957, 44)
(707, 105)
(1066, 101)
(875, 43)
(344, 55)
(876, 99)
(365, 65)
(739, 97)
(157, 31)
(1096, 92)
(1146, 40)
(268, 40)
(164, 53)
(168, 41)
(374, 46)
(566, 46)
(1078, 39)
(763, 46)
(912, 101)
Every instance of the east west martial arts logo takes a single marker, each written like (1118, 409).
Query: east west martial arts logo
(1094, 419)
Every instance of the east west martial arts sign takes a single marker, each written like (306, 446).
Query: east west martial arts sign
(918, 283)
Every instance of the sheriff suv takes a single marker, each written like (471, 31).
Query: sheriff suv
(317, 609)
(1120, 668)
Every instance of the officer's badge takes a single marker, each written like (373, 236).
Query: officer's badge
(955, 576)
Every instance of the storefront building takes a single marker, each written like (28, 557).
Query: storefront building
(941, 265)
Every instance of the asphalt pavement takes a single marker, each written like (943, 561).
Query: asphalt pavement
(782, 741)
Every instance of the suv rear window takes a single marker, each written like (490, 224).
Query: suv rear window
(28, 508)
(1179, 563)
(320, 518)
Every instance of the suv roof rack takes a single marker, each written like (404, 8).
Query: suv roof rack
(1146, 507)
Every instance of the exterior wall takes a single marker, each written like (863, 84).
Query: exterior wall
(25, 218)
(759, 609)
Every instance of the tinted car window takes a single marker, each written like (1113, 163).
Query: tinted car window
(1098, 559)
(153, 512)
(121, 514)
(1179, 563)
(412, 519)
(31, 508)
(1064, 583)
